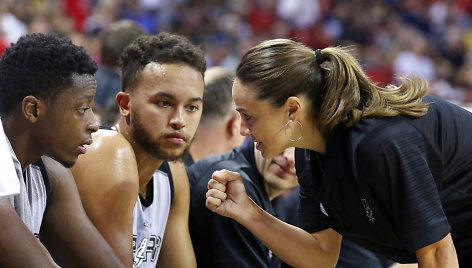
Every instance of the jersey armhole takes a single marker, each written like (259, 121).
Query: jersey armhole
(45, 176)
(165, 167)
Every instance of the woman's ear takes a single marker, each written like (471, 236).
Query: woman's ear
(294, 106)
(123, 100)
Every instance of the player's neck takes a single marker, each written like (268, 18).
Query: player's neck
(202, 148)
(271, 191)
(147, 163)
(212, 142)
(21, 142)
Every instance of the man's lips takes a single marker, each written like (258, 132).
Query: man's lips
(176, 138)
(82, 148)
(284, 169)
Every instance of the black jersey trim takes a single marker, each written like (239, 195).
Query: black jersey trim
(165, 167)
(45, 176)
(146, 202)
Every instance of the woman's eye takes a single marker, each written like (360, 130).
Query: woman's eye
(247, 117)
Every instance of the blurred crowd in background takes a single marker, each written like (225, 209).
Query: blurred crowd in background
(391, 38)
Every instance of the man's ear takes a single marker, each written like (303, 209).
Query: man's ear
(233, 124)
(123, 100)
(32, 108)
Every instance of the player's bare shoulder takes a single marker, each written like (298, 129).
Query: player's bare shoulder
(180, 179)
(177, 168)
(109, 163)
(109, 143)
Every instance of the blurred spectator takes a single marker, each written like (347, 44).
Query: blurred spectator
(78, 10)
(428, 37)
(114, 40)
(415, 59)
(11, 27)
(262, 16)
(218, 130)
(3, 44)
(301, 13)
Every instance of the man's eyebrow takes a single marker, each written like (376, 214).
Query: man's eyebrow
(164, 94)
(196, 99)
(86, 97)
(167, 95)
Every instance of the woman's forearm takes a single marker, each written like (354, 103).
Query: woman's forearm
(292, 244)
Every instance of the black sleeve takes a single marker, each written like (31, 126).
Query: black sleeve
(396, 166)
(311, 217)
(220, 241)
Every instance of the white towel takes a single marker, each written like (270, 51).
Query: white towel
(9, 183)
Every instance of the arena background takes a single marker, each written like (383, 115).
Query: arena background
(432, 38)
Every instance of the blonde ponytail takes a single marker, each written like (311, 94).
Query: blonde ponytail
(351, 95)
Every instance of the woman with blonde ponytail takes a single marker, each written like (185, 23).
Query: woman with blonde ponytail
(386, 167)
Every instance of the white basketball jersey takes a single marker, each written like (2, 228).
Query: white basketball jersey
(149, 223)
(37, 195)
(9, 184)
(30, 203)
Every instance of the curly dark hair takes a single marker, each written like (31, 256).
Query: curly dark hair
(40, 65)
(162, 48)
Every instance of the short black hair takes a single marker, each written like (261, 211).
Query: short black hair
(116, 38)
(165, 48)
(40, 65)
(217, 98)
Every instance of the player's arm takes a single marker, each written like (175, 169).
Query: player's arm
(177, 250)
(439, 254)
(107, 180)
(227, 197)
(18, 246)
(66, 230)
